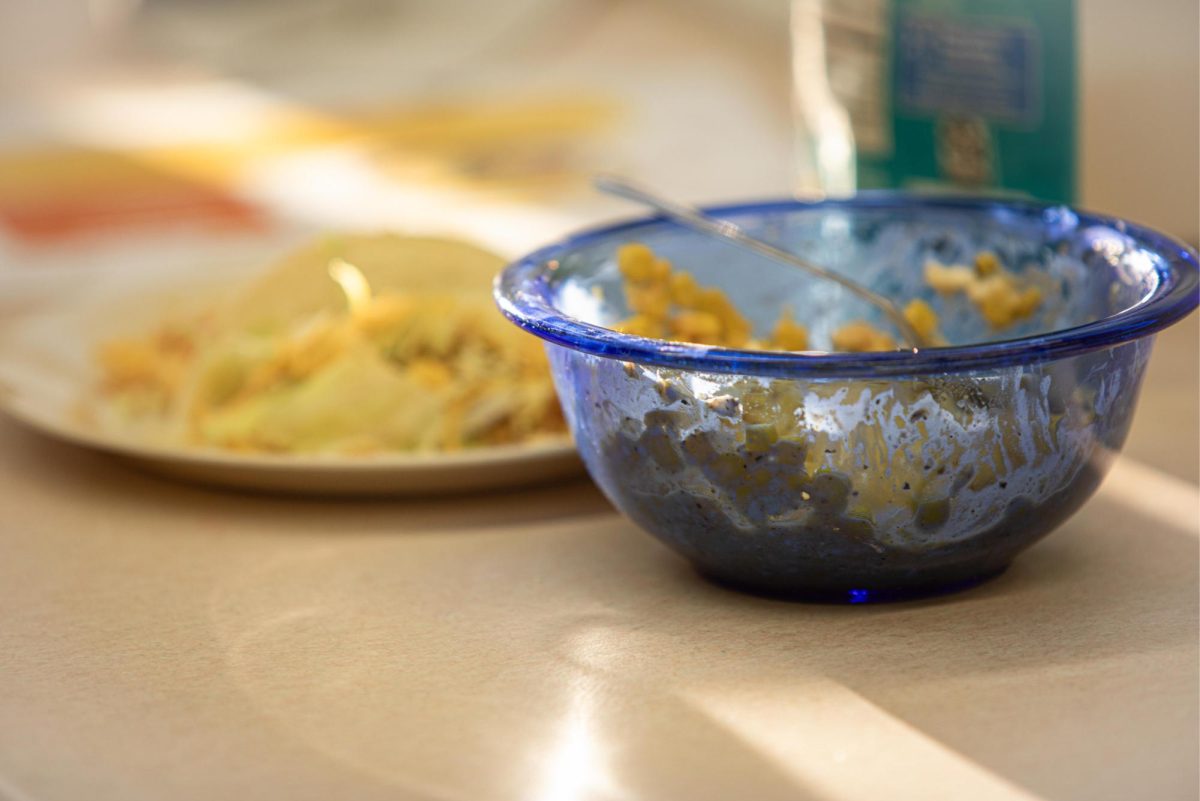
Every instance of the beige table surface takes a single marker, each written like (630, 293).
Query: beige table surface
(159, 641)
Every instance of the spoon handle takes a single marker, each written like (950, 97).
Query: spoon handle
(698, 220)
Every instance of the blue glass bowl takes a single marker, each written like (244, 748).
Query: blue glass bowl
(881, 475)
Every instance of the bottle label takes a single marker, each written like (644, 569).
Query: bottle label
(948, 66)
(979, 96)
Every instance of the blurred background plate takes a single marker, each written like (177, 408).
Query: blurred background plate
(47, 367)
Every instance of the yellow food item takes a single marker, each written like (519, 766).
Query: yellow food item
(986, 263)
(789, 334)
(948, 279)
(861, 337)
(150, 365)
(641, 325)
(1002, 302)
(696, 326)
(652, 300)
(684, 291)
(636, 262)
(924, 320)
(671, 305)
(995, 292)
(348, 346)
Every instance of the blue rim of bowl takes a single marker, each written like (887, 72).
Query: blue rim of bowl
(523, 293)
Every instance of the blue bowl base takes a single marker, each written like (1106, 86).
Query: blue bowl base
(855, 595)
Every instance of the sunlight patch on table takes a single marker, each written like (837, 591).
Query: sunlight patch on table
(830, 738)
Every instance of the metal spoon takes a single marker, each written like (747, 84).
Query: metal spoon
(699, 221)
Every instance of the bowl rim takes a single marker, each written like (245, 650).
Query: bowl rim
(523, 293)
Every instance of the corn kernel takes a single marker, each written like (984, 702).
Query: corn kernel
(986, 263)
(947, 279)
(711, 299)
(684, 291)
(788, 334)
(997, 299)
(924, 320)
(737, 330)
(696, 326)
(640, 325)
(660, 271)
(636, 262)
(652, 300)
(1028, 302)
(861, 337)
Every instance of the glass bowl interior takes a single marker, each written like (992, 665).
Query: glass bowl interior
(1104, 281)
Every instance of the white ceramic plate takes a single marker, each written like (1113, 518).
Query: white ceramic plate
(46, 366)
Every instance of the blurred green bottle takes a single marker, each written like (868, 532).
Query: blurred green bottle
(974, 96)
